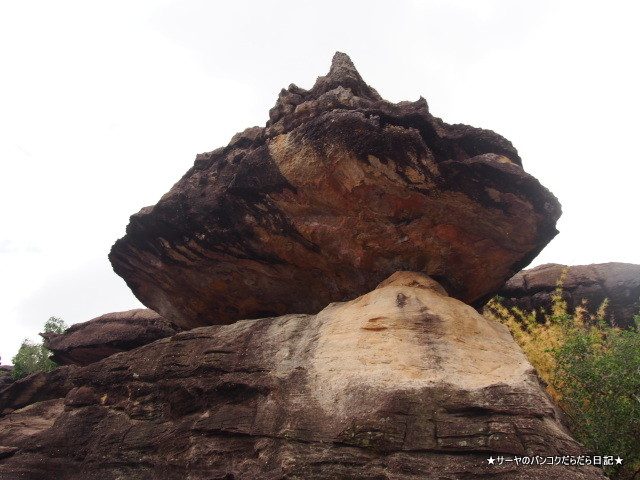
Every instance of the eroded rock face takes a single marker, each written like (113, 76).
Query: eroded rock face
(618, 282)
(88, 342)
(6, 375)
(340, 190)
(401, 383)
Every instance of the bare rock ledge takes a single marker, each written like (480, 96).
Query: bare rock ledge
(585, 285)
(88, 342)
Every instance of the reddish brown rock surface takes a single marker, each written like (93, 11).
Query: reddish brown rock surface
(618, 282)
(88, 342)
(403, 383)
(340, 190)
(6, 375)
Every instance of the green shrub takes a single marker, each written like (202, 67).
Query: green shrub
(55, 325)
(598, 373)
(33, 357)
(592, 371)
(536, 339)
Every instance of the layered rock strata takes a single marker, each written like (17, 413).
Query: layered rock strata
(337, 192)
(88, 342)
(402, 383)
(583, 285)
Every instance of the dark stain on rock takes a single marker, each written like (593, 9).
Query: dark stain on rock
(431, 317)
(401, 300)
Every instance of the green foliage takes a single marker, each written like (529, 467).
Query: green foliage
(33, 357)
(592, 371)
(55, 325)
(535, 339)
(598, 371)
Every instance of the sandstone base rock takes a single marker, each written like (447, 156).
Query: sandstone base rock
(618, 282)
(402, 383)
(88, 342)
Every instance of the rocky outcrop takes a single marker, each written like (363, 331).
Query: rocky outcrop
(340, 190)
(587, 285)
(402, 383)
(6, 375)
(337, 192)
(88, 342)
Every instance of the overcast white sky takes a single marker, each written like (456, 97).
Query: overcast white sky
(104, 105)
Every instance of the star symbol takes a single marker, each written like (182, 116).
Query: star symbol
(618, 460)
(491, 460)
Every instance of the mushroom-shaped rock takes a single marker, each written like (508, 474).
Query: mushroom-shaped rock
(337, 192)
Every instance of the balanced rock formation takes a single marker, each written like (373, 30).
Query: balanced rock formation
(586, 285)
(402, 383)
(88, 342)
(337, 192)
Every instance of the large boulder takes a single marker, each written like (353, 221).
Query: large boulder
(88, 342)
(583, 285)
(337, 192)
(402, 383)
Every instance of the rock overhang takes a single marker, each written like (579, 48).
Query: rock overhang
(337, 192)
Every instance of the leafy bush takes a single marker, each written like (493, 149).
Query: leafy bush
(592, 371)
(535, 339)
(55, 325)
(33, 357)
(598, 371)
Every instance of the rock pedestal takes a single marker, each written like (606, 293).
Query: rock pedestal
(404, 382)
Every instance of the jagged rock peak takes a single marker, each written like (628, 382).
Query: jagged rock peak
(342, 87)
(343, 73)
(341, 65)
